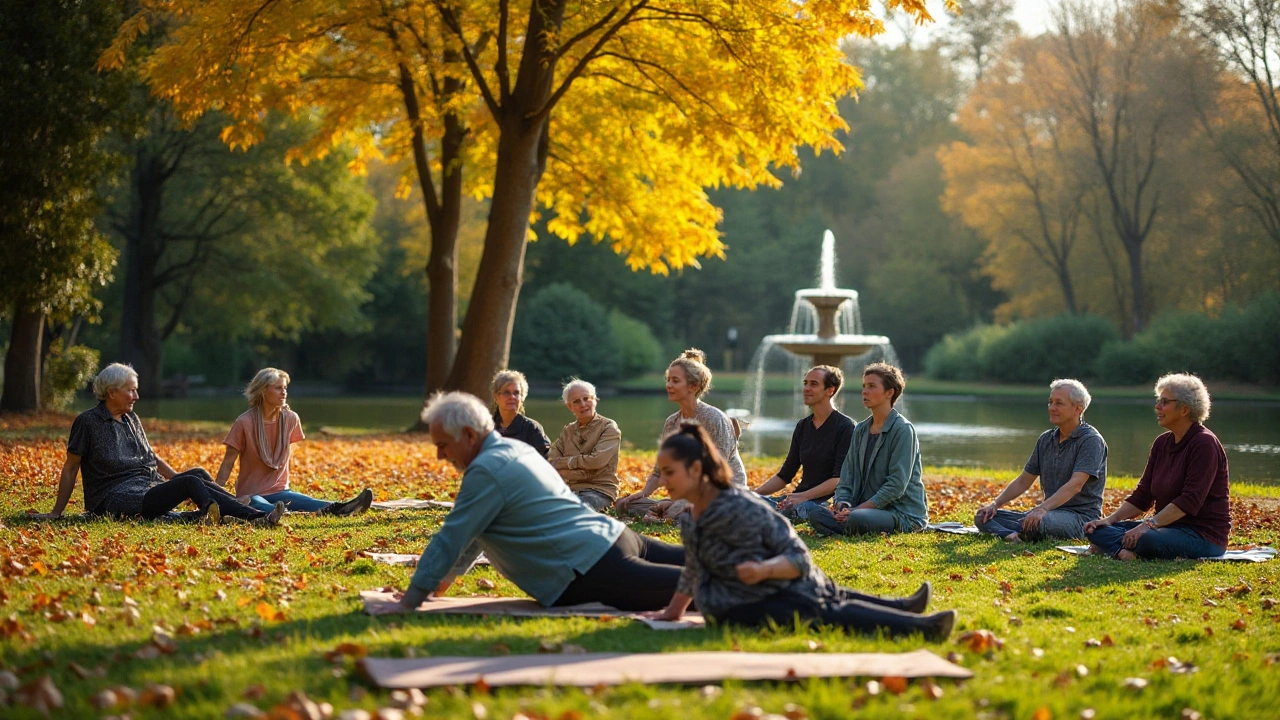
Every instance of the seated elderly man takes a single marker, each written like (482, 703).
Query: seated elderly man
(1071, 461)
(512, 506)
(819, 445)
(586, 453)
(123, 476)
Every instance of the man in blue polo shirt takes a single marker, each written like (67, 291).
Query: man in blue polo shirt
(514, 507)
(819, 444)
(1071, 461)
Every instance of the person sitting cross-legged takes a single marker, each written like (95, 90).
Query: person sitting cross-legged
(586, 453)
(881, 488)
(745, 565)
(819, 445)
(1071, 461)
(1186, 479)
(512, 506)
(123, 476)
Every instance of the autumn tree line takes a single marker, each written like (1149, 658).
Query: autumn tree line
(392, 195)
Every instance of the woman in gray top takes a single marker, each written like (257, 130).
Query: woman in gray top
(745, 565)
(123, 477)
(688, 379)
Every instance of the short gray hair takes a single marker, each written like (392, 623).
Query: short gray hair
(112, 377)
(1189, 391)
(574, 384)
(1075, 390)
(504, 378)
(455, 411)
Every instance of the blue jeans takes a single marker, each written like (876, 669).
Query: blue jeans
(795, 513)
(293, 501)
(868, 521)
(1055, 524)
(1166, 543)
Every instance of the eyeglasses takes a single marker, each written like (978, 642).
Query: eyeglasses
(1161, 402)
(510, 393)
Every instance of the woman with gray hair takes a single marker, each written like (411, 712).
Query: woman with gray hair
(262, 438)
(1185, 479)
(586, 453)
(510, 388)
(123, 476)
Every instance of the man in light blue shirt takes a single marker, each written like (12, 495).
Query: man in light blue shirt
(514, 507)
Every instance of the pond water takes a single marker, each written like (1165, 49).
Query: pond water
(963, 431)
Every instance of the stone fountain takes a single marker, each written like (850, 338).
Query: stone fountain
(825, 329)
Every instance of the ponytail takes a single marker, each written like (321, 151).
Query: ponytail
(692, 443)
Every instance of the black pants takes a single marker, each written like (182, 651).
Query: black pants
(852, 611)
(637, 573)
(197, 486)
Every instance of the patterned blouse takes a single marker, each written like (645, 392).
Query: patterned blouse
(115, 456)
(737, 527)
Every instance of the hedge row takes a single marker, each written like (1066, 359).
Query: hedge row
(1239, 344)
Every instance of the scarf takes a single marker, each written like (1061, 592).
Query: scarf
(275, 460)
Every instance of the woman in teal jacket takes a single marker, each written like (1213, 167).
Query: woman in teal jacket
(881, 489)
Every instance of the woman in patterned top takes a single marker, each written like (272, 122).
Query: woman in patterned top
(123, 477)
(262, 438)
(688, 379)
(745, 565)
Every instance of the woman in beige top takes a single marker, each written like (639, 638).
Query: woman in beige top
(262, 439)
(688, 379)
(586, 453)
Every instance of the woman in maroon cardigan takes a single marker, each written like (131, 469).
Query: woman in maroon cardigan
(1186, 480)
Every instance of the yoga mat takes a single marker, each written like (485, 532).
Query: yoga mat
(592, 669)
(1257, 555)
(410, 504)
(954, 528)
(521, 607)
(406, 560)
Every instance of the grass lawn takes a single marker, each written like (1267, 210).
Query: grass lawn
(232, 614)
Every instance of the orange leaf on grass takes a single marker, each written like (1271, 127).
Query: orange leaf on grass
(894, 684)
(269, 613)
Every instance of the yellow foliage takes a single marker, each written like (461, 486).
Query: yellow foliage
(655, 104)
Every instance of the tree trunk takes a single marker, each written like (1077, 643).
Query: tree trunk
(140, 342)
(1134, 250)
(22, 363)
(486, 331)
(1068, 290)
(523, 121)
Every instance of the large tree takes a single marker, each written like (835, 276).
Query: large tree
(55, 108)
(611, 116)
(238, 243)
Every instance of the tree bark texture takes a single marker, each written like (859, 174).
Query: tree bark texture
(22, 363)
(140, 343)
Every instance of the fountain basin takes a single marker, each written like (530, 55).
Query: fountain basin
(827, 351)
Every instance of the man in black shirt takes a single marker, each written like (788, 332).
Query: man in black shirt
(819, 444)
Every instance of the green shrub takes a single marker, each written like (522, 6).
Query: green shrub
(959, 357)
(561, 332)
(1038, 351)
(638, 349)
(66, 372)
(1124, 363)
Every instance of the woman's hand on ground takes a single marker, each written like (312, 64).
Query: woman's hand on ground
(664, 614)
(394, 606)
(43, 516)
(622, 502)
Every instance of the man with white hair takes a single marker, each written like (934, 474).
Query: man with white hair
(513, 506)
(1071, 461)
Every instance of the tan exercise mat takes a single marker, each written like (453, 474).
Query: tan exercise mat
(592, 669)
(520, 607)
(410, 504)
(407, 560)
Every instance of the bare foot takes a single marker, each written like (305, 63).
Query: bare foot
(1013, 538)
(1093, 550)
(1126, 555)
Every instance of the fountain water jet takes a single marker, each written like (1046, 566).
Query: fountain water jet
(825, 329)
